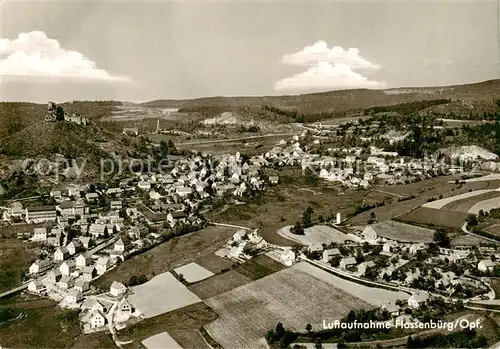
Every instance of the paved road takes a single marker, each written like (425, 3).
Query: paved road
(466, 231)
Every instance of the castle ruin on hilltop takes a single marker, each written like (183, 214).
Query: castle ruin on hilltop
(56, 113)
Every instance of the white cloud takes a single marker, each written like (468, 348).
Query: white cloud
(34, 55)
(325, 76)
(319, 52)
(328, 69)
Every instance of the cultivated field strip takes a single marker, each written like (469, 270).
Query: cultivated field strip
(161, 294)
(290, 296)
(192, 272)
(438, 204)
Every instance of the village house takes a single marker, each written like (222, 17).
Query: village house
(86, 241)
(117, 289)
(122, 245)
(174, 217)
(74, 247)
(89, 273)
(347, 262)
(392, 308)
(67, 267)
(390, 246)
(53, 276)
(288, 257)
(329, 254)
(73, 296)
(81, 285)
(92, 197)
(102, 265)
(97, 319)
(370, 235)
(60, 254)
(93, 304)
(39, 266)
(363, 267)
(486, 265)
(417, 299)
(36, 286)
(124, 309)
(83, 260)
(414, 248)
(144, 185)
(116, 205)
(66, 282)
(40, 234)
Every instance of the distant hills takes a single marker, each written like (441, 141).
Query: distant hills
(343, 100)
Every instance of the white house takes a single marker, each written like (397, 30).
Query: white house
(81, 285)
(74, 246)
(144, 185)
(54, 276)
(39, 266)
(117, 289)
(102, 265)
(36, 286)
(66, 282)
(125, 309)
(40, 234)
(390, 246)
(73, 296)
(486, 265)
(61, 254)
(370, 235)
(363, 267)
(414, 248)
(288, 257)
(121, 245)
(329, 254)
(67, 267)
(347, 262)
(89, 273)
(83, 260)
(417, 299)
(97, 319)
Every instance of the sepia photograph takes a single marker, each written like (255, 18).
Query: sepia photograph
(256, 174)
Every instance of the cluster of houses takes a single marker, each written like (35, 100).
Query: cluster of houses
(67, 275)
(353, 168)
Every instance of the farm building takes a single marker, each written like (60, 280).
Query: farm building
(288, 257)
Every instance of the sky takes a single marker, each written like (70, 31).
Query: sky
(140, 51)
